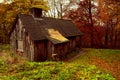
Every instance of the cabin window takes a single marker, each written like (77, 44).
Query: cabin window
(20, 45)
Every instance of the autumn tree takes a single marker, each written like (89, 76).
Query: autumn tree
(110, 17)
(85, 17)
(9, 10)
(99, 21)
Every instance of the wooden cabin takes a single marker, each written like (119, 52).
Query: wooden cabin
(40, 38)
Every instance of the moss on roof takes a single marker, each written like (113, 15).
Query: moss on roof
(56, 37)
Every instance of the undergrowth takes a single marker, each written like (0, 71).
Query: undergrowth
(51, 71)
(13, 67)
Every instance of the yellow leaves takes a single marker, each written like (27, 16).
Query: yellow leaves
(2, 8)
(9, 10)
(28, 4)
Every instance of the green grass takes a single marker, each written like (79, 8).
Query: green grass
(80, 68)
(105, 59)
(51, 71)
(110, 55)
(4, 48)
(104, 54)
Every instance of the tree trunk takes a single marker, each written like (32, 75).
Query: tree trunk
(115, 41)
(106, 37)
(54, 9)
(91, 24)
(100, 44)
(61, 11)
(111, 37)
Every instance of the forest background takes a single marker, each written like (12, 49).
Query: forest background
(99, 20)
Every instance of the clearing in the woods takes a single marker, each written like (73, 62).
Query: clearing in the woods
(86, 64)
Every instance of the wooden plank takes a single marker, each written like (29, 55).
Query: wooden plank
(40, 51)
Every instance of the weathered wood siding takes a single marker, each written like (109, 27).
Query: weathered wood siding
(13, 41)
(21, 43)
(61, 49)
(19, 36)
(15, 36)
(28, 47)
(72, 43)
(75, 42)
(45, 49)
(50, 49)
(78, 41)
(40, 50)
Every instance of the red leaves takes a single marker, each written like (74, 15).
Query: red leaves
(114, 67)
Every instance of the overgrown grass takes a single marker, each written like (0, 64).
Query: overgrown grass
(4, 47)
(104, 54)
(51, 71)
(105, 59)
(8, 56)
(75, 70)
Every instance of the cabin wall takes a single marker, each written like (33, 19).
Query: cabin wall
(72, 43)
(15, 36)
(19, 36)
(57, 50)
(61, 50)
(50, 50)
(43, 50)
(40, 50)
(75, 42)
(28, 45)
(13, 41)
(78, 41)
(21, 43)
